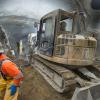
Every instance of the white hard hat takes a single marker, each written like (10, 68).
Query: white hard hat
(1, 48)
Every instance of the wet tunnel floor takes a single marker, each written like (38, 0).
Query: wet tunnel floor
(35, 87)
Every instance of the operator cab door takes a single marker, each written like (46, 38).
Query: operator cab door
(46, 36)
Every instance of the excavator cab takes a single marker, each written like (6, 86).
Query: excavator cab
(51, 25)
(62, 37)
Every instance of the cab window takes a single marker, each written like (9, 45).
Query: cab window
(66, 24)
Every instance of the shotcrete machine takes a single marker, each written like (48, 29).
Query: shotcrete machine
(65, 55)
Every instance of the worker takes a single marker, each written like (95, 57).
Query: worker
(63, 25)
(10, 79)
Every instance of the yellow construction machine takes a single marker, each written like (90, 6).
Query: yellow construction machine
(66, 53)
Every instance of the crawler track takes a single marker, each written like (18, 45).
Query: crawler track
(63, 79)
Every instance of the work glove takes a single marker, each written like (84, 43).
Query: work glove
(13, 89)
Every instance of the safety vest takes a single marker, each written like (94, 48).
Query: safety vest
(5, 77)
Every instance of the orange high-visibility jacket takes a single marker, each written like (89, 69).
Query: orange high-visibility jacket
(10, 69)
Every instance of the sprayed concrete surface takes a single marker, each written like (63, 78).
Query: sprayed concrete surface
(35, 87)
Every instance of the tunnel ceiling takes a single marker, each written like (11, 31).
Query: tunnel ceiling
(32, 8)
(17, 27)
(18, 18)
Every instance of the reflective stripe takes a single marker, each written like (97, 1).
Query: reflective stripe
(5, 61)
(20, 75)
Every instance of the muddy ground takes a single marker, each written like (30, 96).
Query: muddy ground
(35, 87)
